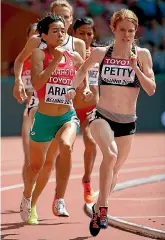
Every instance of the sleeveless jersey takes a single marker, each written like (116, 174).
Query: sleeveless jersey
(117, 72)
(69, 44)
(93, 73)
(26, 70)
(26, 78)
(61, 78)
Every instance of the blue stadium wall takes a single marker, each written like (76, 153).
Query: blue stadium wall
(149, 109)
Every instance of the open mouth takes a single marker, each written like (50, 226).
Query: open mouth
(125, 40)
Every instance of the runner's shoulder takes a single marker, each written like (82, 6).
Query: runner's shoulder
(99, 51)
(78, 42)
(34, 41)
(39, 53)
(143, 53)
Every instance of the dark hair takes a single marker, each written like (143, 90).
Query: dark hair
(84, 21)
(43, 24)
(31, 26)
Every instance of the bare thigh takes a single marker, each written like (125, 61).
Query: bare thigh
(87, 136)
(38, 151)
(25, 131)
(104, 137)
(66, 134)
(31, 115)
(124, 146)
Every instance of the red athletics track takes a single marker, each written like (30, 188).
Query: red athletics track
(144, 204)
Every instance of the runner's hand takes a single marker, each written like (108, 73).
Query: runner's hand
(87, 94)
(70, 94)
(19, 92)
(133, 60)
(58, 53)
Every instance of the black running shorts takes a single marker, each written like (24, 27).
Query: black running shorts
(119, 129)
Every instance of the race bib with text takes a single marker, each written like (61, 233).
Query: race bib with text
(55, 93)
(27, 82)
(93, 74)
(117, 71)
(33, 101)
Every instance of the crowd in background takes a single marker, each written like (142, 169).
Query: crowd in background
(151, 15)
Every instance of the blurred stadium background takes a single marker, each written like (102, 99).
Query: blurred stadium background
(18, 14)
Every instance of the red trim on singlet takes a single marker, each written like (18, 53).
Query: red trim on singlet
(26, 67)
(68, 64)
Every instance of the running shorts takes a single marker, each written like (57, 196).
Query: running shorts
(45, 127)
(82, 113)
(119, 129)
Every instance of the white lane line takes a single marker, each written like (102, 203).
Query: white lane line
(11, 187)
(130, 226)
(137, 199)
(72, 177)
(124, 170)
(11, 172)
(79, 164)
(76, 176)
(140, 181)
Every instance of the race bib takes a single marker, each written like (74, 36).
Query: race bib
(33, 101)
(55, 93)
(117, 71)
(93, 75)
(27, 82)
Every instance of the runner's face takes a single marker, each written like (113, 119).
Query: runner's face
(85, 32)
(65, 12)
(125, 32)
(56, 34)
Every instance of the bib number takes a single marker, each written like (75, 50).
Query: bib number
(27, 82)
(93, 75)
(55, 93)
(33, 101)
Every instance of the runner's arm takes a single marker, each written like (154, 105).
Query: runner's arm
(78, 60)
(146, 77)
(31, 44)
(95, 57)
(40, 75)
(81, 49)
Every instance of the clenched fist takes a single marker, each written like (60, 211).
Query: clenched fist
(71, 93)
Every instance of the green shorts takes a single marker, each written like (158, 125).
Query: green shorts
(45, 127)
